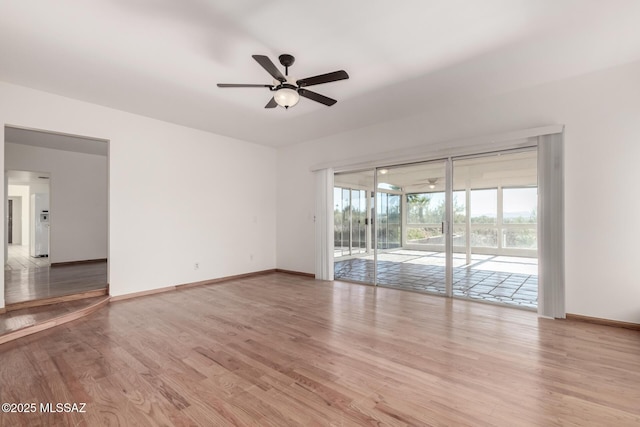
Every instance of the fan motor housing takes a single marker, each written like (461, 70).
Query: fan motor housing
(290, 83)
(286, 60)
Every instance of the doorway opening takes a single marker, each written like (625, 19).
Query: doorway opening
(59, 237)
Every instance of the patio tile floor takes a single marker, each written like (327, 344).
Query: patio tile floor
(424, 272)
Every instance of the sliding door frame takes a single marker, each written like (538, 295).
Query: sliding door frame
(550, 241)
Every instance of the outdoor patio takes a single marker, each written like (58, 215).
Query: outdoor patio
(491, 278)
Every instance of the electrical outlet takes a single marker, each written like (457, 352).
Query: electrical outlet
(250, 257)
(196, 266)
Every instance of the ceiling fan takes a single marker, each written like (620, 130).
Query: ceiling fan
(287, 91)
(431, 182)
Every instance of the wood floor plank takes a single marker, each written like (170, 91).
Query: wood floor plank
(19, 319)
(38, 282)
(278, 349)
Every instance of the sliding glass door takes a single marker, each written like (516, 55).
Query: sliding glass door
(410, 219)
(350, 221)
(389, 228)
(353, 231)
(463, 227)
(496, 227)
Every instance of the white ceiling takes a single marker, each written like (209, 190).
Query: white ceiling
(163, 58)
(26, 177)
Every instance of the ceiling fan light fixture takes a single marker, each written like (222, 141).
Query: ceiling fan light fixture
(286, 97)
(288, 90)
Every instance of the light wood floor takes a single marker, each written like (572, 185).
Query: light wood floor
(18, 258)
(30, 284)
(19, 319)
(278, 350)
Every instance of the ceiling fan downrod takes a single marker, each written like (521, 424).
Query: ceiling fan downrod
(287, 61)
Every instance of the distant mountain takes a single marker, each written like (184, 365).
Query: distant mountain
(507, 215)
(521, 214)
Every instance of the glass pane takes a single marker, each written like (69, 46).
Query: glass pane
(355, 225)
(425, 208)
(389, 221)
(393, 237)
(425, 213)
(520, 238)
(500, 264)
(337, 221)
(394, 208)
(484, 237)
(425, 235)
(385, 186)
(436, 208)
(346, 220)
(459, 236)
(484, 206)
(459, 207)
(411, 196)
(382, 218)
(416, 205)
(358, 219)
(520, 205)
(363, 221)
(353, 259)
(394, 221)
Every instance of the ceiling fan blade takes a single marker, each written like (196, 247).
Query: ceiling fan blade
(317, 97)
(270, 67)
(323, 78)
(240, 85)
(271, 104)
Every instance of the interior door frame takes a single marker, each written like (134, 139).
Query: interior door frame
(9, 221)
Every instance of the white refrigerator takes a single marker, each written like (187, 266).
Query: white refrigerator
(39, 225)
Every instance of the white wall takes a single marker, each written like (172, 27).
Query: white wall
(601, 112)
(36, 187)
(78, 198)
(20, 196)
(16, 228)
(157, 231)
(22, 191)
